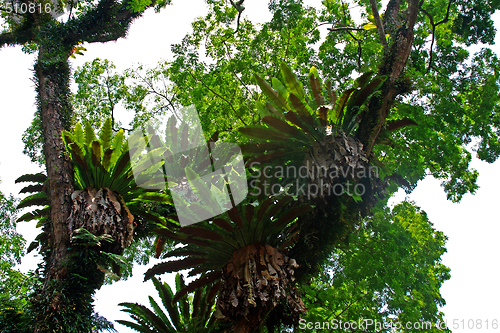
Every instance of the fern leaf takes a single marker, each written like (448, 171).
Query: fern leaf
(294, 86)
(89, 134)
(106, 134)
(37, 199)
(34, 215)
(34, 178)
(316, 86)
(263, 133)
(173, 266)
(271, 93)
(78, 134)
(32, 189)
(200, 282)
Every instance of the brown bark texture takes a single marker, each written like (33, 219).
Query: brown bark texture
(53, 110)
(393, 65)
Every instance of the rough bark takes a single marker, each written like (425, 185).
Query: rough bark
(392, 66)
(102, 212)
(257, 279)
(54, 111)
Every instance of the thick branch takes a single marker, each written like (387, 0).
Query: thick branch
(394, 62)
(109, 21)
(378, 22)
(21, 36)
(391, 13)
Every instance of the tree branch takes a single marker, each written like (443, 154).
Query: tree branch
(114, 20)
(393, 65)
(434, 25)
(19, 37)
(359, 48)
(378, 22)
(346, 29)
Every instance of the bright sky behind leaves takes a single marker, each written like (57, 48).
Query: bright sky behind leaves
(472, 225)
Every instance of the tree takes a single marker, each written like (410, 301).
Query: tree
(390, 274)
(395, 47)
(185, 315)
(416, 55)
(14, 285)
(55, 41)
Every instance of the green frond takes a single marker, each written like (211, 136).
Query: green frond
(33, 178)
(32, 188)
(78, 133)
(37, 199)
(181, 315)
(106, 134)
(89, 134)
(294, 86)
(34, 215)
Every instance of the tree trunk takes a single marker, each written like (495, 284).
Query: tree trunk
(55, 111)
(52, 79)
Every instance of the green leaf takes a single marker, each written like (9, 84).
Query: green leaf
(89, 134)
(37, 199)
(369, 26)
(278, 100)
(106, 134)
(34, 178)
(263, 133)
(294, 86)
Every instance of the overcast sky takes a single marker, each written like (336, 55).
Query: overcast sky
(472, 225)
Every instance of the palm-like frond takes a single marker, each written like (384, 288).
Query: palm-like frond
(224, 249)
(104, 162)
(211, 244)
(178, 317)
(108, 194)
(37, 198)
(293, 125)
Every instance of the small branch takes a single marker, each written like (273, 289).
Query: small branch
(434, 25)
(378, 22)
(112, 104)
(346, 29)
(431, 20)
(320, 25)
(447, 18)
(234, 73)
(359, 48)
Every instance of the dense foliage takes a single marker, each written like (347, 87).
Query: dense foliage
(328, 88)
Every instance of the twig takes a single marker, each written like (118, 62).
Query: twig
(434, 25)
(359, 48)
(346, 29)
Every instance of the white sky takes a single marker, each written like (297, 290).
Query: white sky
(472, 226)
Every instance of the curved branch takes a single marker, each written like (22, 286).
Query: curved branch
(434, 25)
(378, 22)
